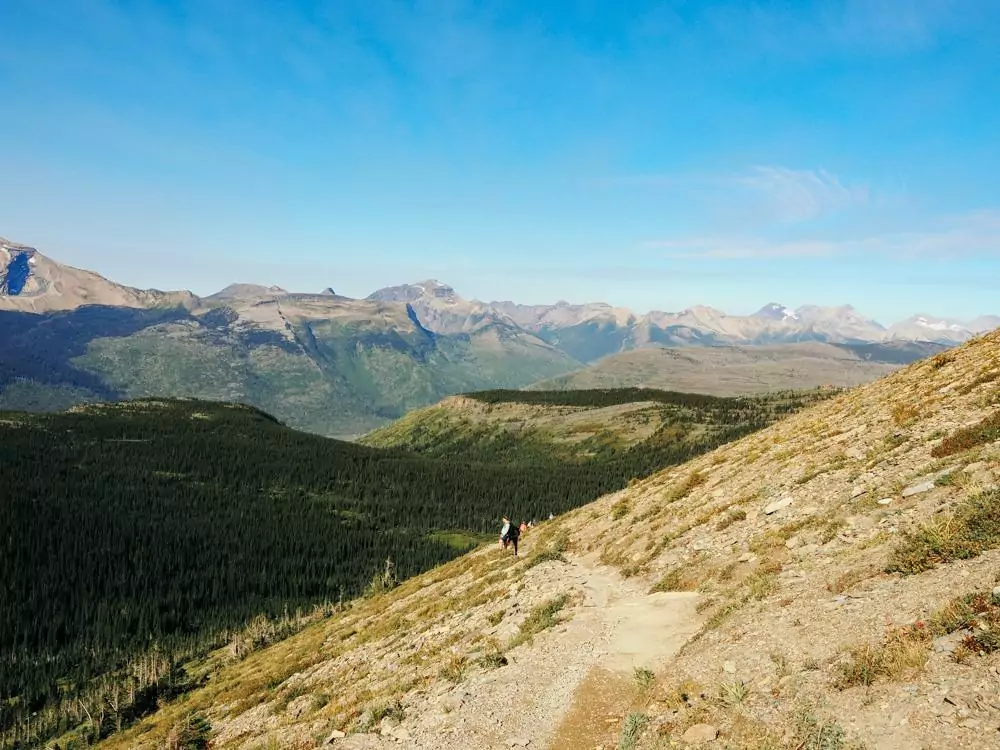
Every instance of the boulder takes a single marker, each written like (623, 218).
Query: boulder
(777, 505)
(699, 734)
(947, 644)
(917, 489)
(451, 703)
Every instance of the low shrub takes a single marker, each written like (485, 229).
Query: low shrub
(979, 613)
(635, 722)
(676, 579)
(973, 529)
(620, 509)
(734, 515)
(986, 431)
(542, 617)
(902, 649)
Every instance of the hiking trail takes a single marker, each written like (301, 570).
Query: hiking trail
(563, 691)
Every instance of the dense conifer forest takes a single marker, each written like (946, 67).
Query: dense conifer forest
(139, 535)
(737, 407)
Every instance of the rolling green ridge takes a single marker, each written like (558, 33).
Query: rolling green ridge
(630, 431)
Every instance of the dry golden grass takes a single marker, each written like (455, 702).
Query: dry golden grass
(973, 529)
(901, 651)
(851, 578)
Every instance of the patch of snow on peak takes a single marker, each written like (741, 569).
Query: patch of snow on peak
(937, 325)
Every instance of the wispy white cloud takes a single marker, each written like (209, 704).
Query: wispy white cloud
(973, 234)
(800, 194)
(765, 192)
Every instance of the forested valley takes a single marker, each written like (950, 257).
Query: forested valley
(139, 536)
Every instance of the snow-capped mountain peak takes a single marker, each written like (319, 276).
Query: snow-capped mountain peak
(936, 324)
(776, 311)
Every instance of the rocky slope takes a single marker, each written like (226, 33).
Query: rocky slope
(729, 370)
(32, 282)
(829, 582)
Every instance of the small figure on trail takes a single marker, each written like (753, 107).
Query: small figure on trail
(524, 527)
(551, 516)
(509, 534)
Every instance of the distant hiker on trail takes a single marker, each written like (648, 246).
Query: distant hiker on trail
(551, 516)
(509, 534)
(524, 527)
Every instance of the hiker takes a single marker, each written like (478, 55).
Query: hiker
(524, 526)
(509, 534)
(551, 516)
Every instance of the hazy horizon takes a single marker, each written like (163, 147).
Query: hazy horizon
(472, 298)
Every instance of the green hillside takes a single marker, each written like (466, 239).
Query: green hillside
(630, 431)
(336, 369)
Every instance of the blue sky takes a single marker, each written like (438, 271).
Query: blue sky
(655, 155)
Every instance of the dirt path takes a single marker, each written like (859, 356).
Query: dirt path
(559, 692)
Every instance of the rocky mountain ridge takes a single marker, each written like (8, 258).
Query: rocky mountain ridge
(320, 362)
(32, 282)
(343, 366)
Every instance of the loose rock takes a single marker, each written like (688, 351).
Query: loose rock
(917, 489)
(777, 505)
(699, 734)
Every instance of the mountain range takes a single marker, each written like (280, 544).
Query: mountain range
(341, 366)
